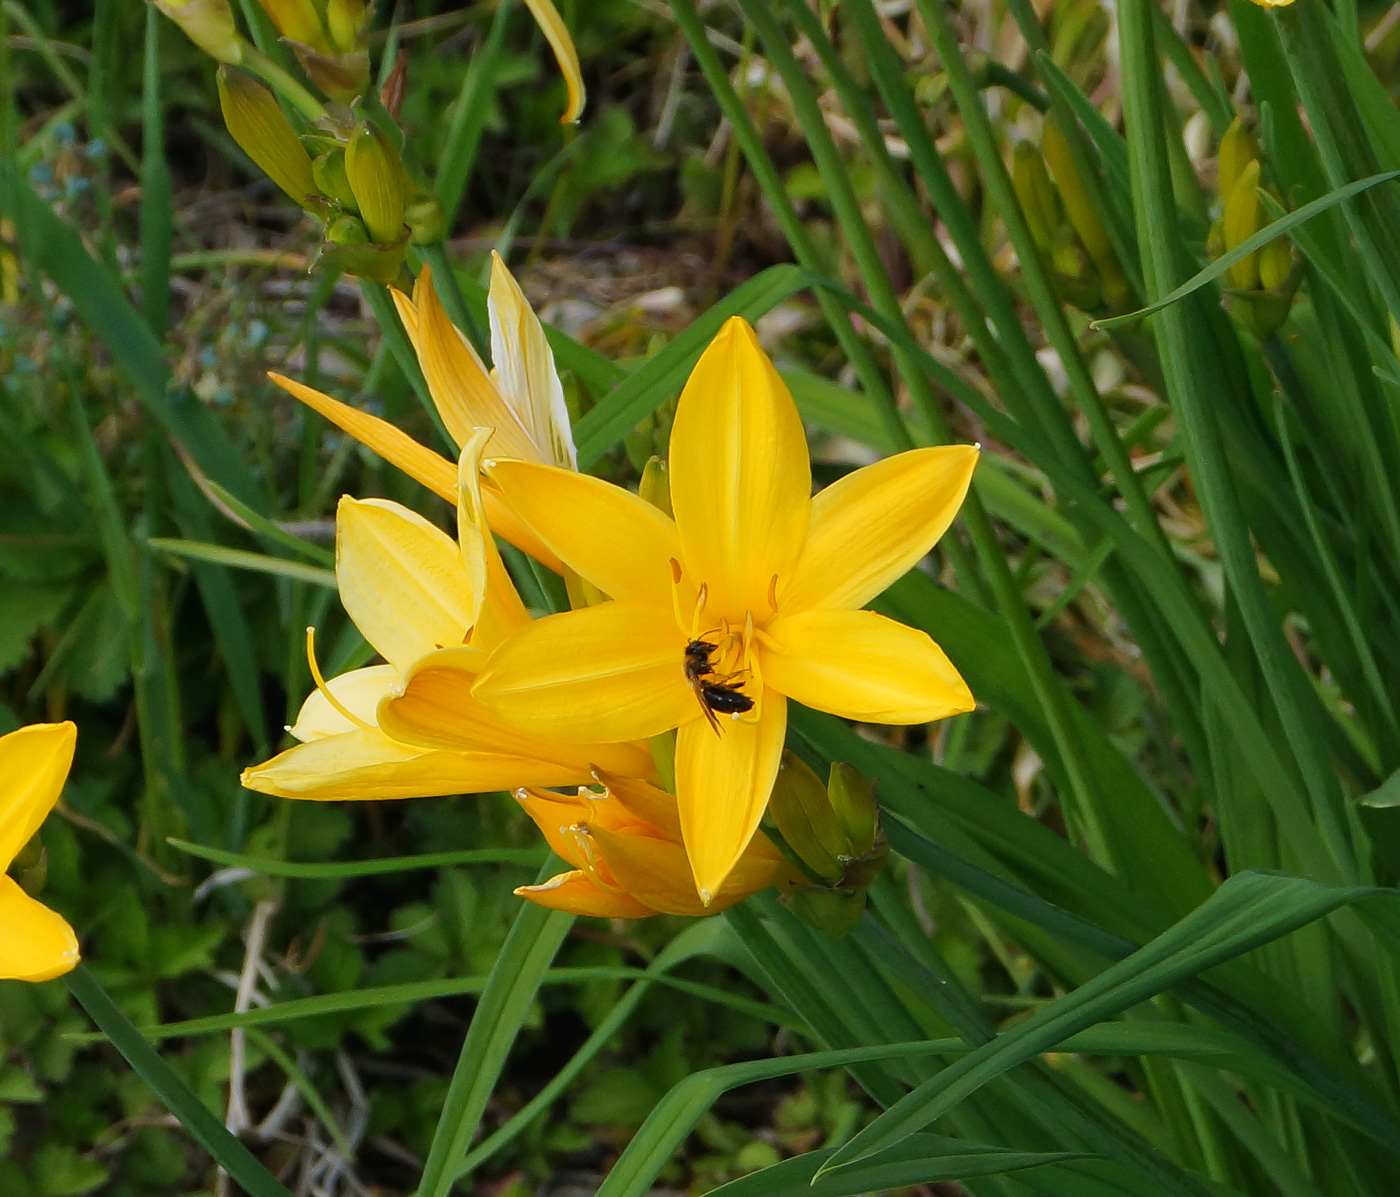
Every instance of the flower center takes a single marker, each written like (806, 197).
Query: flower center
(718, 661)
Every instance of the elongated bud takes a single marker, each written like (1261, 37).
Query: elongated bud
(1083, 216)
(853, 799)
(331, 180)
(296, 20)
(379, 183)
(207, 23)
(802, 810)
(344, 21)
(1244, 216)
(1237, 148)
(655, 486)
(261, 128)
(1037, 197)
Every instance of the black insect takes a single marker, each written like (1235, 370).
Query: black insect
(714, 693)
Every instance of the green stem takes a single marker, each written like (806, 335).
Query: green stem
(283, 84)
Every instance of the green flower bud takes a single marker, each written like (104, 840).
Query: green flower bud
(802, 810)
(1033, 190)
(31, 867)
(853, 800)
(379, 183)
(655, 486)
(347, 246)
(258, 124)
(1244, 216)
(331, 180)
(1083, 216)
(207, 23)
(425, 219)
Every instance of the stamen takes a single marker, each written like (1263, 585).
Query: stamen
(339, 707)
(773, 592)
(701, 595)
(675, 572)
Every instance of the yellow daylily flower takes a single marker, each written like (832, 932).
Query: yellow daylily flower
(432, 608)
(521, 398)
(625, 846)
(748, 597)
(37, 944)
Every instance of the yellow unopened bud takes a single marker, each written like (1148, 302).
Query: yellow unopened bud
(379, 183)
(261, 128)
(655, 486)
(1244, 216)
(1237, 148)
(1083, 216)
(1037, 197)
(1275, 264)
(296, 20)
(344, 21)
(207, 23)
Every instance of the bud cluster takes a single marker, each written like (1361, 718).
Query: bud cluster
(1260, 287)
(1069, 236)
(343, 161)
(832, 832)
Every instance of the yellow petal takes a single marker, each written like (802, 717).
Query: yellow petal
(740, 478)
(657, 872)
(465, 396)
(618, 541)
(863, 666)
(575, 893)
(607, 673)
(362, 765)
(504, 522)
(500, 612)
(875, 524)
(557, 35)
(397, 448)
(38, 944)
(722, 785)
(525, 373)
(435, 708)
(554, 814)
(34, 763)
(643, 801)
(401, 580)
(359, 691)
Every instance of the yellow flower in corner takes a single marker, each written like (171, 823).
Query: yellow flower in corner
(432, 608)
(37, 944)
(625, 846)
(521, 397)
(749, 597)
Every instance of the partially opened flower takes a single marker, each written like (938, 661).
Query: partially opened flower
(432, 608)
(750, 596)
(520, 398)
(36, 944)
(624, 842)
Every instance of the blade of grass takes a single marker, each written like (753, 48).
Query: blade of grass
(532, 858)
(194, 1116)
(242, 559)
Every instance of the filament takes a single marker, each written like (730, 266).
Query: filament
(339, 707)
